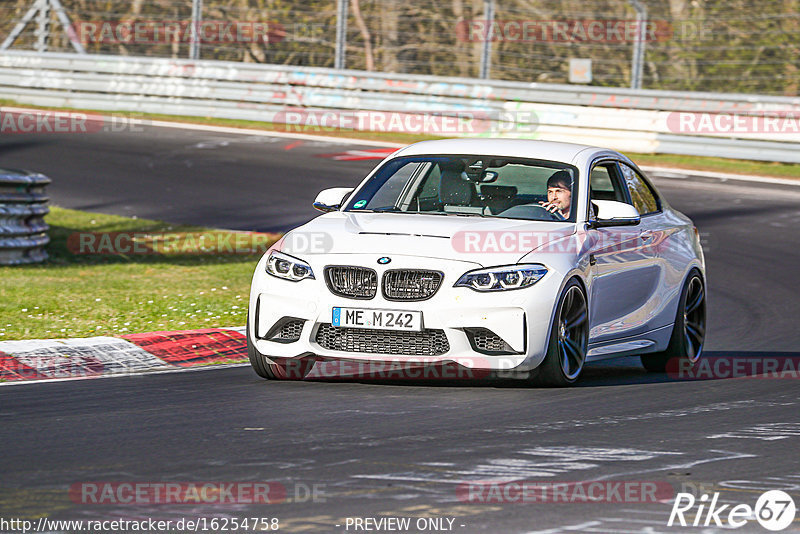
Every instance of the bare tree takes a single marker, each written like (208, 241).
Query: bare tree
(362, 27)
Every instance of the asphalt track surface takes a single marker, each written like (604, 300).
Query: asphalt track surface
(403, 449)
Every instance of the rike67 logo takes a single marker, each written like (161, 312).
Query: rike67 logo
(774, 510)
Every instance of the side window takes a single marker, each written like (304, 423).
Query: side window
(430, 189)
(388, 194)
(604, 183)
(643, 197)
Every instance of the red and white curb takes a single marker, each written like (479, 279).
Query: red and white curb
(93, 357)
(358, 155)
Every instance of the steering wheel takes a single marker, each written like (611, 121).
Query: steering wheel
(531, 211)
(554, 215)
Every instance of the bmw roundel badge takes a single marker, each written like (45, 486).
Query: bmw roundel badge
(384, 260)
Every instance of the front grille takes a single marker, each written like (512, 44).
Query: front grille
(486, 341)
(351, 282)
(411, 284)
(428, 342)
(287, 330)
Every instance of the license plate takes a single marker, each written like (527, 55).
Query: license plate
(410, 321)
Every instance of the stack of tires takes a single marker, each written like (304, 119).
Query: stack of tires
(23, 205)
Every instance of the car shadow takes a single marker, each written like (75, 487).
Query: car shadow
(714, 365)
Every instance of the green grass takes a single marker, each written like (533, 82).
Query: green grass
(76, 295)
(734, 166)
(700, 163)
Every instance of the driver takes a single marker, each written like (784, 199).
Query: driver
(559, 194)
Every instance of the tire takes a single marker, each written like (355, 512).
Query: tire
(688, 333)
(569, 339)
(294, 369)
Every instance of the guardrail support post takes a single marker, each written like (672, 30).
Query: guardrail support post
(42, 31)
(341, 33)
(486, 53)
(197, 19)
(637, 63)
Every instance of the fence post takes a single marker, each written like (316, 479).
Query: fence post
(637, 62)
(486, 53)
(41, 10)
(341, 33)
(42, 30)
(197, 19)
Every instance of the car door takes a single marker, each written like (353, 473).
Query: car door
(622, 266)
(656, 232)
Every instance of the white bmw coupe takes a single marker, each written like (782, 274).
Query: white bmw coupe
(520, 259)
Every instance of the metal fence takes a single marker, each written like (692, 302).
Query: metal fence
(23, 205)
(747, 46)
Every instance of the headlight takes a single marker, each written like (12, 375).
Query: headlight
(289, 268)
(502, 278)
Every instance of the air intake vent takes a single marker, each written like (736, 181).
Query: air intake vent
(352, 282)
(411, 284)
(485, 341)
(426, 343)
(286, 330)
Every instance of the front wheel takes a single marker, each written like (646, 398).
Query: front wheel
(569, 339)
(294, 369)
(689, 331)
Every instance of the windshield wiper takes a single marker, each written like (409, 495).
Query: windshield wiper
(395, 209)
(386, 208)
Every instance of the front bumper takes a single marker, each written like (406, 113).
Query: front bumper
(466, 319)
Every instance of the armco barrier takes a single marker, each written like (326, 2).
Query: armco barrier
(625, 119)
(23, 205)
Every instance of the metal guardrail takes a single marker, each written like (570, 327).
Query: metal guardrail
(625, 119)
(23, 205)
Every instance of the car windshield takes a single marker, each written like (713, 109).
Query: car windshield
(478, 186)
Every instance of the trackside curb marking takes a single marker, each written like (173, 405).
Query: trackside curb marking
(160, 371)
(190, 347)
(104, 356)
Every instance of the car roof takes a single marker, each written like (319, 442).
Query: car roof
(520, 148)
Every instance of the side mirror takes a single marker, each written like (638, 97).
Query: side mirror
(613, 213)
(332, 199)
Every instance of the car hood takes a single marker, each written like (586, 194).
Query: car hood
(482, 240)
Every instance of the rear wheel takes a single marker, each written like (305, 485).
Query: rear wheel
(688, 334)
(569, 339)
(292, 369)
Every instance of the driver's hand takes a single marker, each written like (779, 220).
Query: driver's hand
(552, 208)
